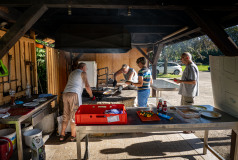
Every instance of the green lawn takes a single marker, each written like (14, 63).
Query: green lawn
(200, 68)
(168, 76)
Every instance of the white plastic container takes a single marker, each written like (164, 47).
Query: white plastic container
(47, 125)
(60, 120)
(11, 134)
(28, 135)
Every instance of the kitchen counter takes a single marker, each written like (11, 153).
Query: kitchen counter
(34, 116)
(127, 97)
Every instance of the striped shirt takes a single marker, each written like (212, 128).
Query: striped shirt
(146, 74)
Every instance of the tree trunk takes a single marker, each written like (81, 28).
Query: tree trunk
(165, 64)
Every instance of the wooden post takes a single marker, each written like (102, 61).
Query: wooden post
(233, 144)
(157, 51)
(23, 24)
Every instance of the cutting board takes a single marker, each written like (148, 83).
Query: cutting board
(154, 117)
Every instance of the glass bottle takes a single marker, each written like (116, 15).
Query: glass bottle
(28, 91)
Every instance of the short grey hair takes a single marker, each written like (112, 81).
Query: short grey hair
(187, 54)
(124, 66)
(81, 65)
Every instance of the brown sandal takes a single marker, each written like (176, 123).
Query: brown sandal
(73, 139)
(62, 138)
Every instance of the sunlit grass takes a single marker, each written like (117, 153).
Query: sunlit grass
(168, 76)
(200, 67)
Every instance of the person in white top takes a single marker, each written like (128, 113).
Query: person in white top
(72, 98)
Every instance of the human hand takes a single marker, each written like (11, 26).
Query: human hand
(176, 80)
(128, 83)
(93, 98)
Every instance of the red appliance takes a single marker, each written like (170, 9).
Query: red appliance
(95, 114)
(5, 154)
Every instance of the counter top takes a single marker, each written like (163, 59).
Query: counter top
(20, 106)
(164, 85)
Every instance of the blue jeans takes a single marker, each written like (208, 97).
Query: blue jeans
(143, 96)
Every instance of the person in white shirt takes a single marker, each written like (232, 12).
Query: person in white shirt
(72, 98)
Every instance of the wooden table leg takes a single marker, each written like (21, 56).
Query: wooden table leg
(19, 141)
(205, 144)
(234, 146)
(86, 155)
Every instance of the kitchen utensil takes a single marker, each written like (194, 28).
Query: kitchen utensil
(31, 104)
(40, 100)
(199, 108)
(211, 114)
(187, 112)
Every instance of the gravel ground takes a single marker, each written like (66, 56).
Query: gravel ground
(219, 140)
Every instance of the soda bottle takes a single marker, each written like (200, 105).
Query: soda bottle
(159, 106)
(164, 108)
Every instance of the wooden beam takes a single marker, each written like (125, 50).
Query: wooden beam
(144, 54)
(23, 24)
(138, 4)
(9, 14)
(181, 35)
(175, 33)
(214, 31)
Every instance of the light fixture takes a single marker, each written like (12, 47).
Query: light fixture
(69, 10)
(69, 7)
(129, 11)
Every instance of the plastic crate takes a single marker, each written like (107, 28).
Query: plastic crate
(94, 114)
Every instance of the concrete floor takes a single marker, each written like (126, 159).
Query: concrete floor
(155, 145)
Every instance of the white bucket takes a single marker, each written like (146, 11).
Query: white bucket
(31, 134)
(10, 134)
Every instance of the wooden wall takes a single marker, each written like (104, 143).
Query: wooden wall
(22, 52)
(113, 61)
(59, 63)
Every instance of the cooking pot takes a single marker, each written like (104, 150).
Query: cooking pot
(100, 93)
(5, 154)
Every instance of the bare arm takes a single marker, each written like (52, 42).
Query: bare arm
(151, 80)
(185, 82)
(139, 84)
(87, 86)
(117, 73)
(130, 76)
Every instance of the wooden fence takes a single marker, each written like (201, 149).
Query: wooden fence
(57, 72)
(23, 69)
